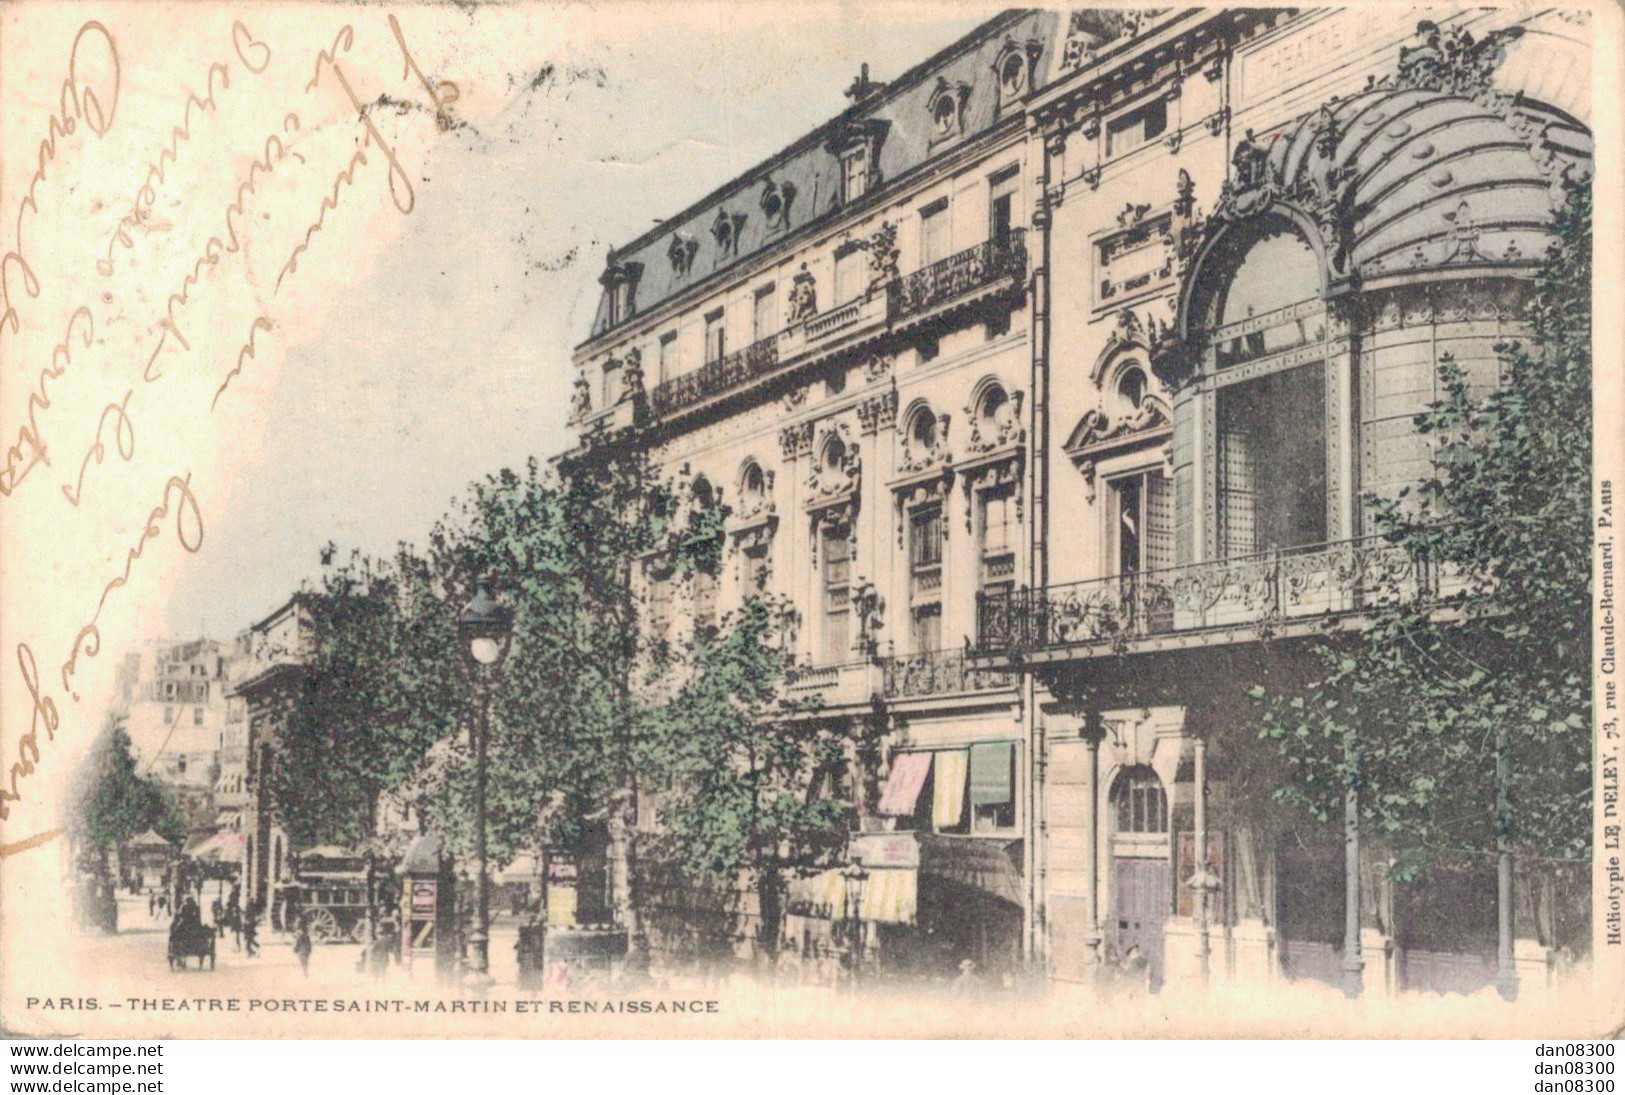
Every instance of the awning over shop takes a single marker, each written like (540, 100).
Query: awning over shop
(992, 773)
(948, 801)
(902, 790)
(219, 848)
(890, 895)
(822, 894)
(981, 863)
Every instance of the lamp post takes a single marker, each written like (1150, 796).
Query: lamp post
(485, 628)
(855, 877)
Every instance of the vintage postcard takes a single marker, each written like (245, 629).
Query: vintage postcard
(777, 520)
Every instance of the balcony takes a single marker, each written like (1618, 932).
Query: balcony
(840, 685)
(986, 265)
(716, 377)
(1159, 608)
(938, 673)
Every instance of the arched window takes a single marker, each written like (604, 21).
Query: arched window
(752, 485)
(705, 496)
(1131, 386)
(993, 403)
(1013, 75)
(922, 432)
(1141, 803)
(833, 457)
(1270, 461)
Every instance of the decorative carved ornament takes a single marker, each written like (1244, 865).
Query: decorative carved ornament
(878, 412)
(1003, 432)
(1096, 437)
(796, 440)
(632, 377)
(803, 296)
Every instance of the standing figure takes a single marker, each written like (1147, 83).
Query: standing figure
(251, 927)
(302, 946)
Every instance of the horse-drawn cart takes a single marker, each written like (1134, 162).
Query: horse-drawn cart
(190, 939)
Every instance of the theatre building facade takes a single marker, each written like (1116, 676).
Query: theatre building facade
(1260, 231)
(1045, 382)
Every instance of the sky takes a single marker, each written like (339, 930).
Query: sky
(579, 138)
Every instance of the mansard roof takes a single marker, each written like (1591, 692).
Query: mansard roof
(689, 248)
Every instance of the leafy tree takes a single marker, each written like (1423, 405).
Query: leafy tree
(744, 767)
(1417, 711)
(112, 803)
(382, 684)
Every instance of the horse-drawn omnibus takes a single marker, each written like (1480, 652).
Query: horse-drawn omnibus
(334, 890)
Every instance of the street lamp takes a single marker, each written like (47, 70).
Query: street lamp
(855, 877)
(486, 629)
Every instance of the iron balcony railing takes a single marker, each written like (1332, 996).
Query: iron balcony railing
(1298, 583)
(938, 673)
(971, 269)
(716, 377)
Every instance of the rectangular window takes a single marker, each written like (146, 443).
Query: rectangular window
(668, 356)
(169, 714)
(1272, 462)
(705, 602)
(1001, 206)
(660, 601)
(197, 716)
(755, 573)
(1136, 128)
(612, 382)
(935, 239)
(837, 552)
(855, 173)
(1000, 535)
(715, 337)
(1141, 539)
(993, 786)
(925, 579)
(849, 275)
(1143, 515)
(764, 314)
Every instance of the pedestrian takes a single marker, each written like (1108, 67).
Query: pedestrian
(1136, 971)
(251, 926)
(152, 904)
(967, 982)
(302, 946)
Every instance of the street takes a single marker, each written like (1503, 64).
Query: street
(141, 946)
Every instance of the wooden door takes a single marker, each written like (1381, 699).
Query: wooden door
(1142, 909)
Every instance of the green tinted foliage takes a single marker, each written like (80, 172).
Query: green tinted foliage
(1408, 711)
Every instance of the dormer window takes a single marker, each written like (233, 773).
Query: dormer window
(620, 282)
(776, 201)
(857, 146)
(681, 253)
(725, 230)
(855, 173)
(1013, 69)
(947, 108)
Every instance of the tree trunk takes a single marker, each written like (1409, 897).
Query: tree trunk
(770, 896)
(1506, 976)
(623, 877)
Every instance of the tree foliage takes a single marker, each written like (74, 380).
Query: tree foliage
(112, 802)
(1408, 710)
